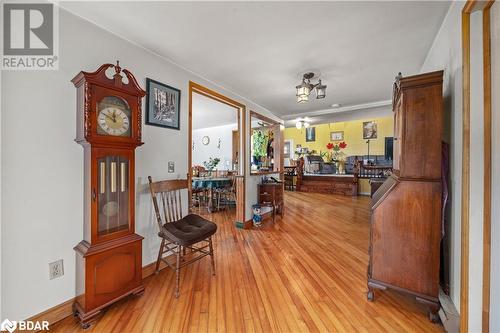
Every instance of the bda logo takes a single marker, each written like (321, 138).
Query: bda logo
(8, 325)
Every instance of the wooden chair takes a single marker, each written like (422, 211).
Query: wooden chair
(228, 193)
(289, 178)
(199, 195)
(179, 233)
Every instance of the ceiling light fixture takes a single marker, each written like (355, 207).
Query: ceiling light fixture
(301, 124)
(306, 87)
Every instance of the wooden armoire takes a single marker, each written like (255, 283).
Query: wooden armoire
(405, 228)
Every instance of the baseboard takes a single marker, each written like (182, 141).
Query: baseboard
(448, 313)
(149, 270)
(243, 225)
(249, 223)
(56, 313)
(64, 310)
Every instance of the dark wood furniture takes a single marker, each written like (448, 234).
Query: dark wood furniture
(179, 233)
(290, 177)
(375, 184)
(406, 210)
(109, 258)
(271, 195)
(337, 184)
(377, 174)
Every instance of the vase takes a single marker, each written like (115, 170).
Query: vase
(341, 167)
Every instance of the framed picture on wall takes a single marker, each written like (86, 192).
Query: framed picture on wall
(337, 136)
(310, 134)
(369, 130)
(163, 104)
(287, 149)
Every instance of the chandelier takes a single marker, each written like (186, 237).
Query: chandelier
(301, 124)
(306, 87)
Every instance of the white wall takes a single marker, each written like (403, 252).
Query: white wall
(42, 167)
(495, 166)
(446, 54)
(203, 152)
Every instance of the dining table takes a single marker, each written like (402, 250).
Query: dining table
(210, 184)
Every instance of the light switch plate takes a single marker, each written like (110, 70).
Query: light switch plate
(171, 167)
(56, 269)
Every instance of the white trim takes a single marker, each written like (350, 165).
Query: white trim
(1, 317)
(339, 110)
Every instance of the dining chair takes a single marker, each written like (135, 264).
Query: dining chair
(179, 233)
(199, 196)
(227, 193)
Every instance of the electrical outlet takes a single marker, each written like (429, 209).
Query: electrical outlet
(56, 269)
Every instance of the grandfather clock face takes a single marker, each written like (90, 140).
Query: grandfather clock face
(113, 117)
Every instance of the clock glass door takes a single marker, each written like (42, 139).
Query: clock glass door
(113, 194)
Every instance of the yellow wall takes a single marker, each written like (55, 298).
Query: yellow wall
(353, 136)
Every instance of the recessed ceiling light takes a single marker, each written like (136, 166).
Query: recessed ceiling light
(336, 105)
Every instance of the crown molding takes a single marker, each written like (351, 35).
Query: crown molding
(338, 110)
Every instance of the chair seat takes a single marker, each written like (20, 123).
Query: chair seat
(189, 230)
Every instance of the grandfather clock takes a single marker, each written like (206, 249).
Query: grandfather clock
(109, 258)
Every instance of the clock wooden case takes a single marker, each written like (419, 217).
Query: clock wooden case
(109, 258)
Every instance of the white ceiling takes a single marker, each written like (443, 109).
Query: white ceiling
(208, 112)
(260, 49)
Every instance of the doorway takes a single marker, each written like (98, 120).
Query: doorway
(216, 158)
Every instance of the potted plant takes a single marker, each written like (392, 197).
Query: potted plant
(259, 140)
(211, 164)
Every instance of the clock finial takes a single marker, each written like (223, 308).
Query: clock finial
(118, 76)
(118, 69)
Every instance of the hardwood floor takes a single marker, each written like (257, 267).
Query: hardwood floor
(305, 273)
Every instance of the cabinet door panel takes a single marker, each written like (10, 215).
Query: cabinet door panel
(112, 273)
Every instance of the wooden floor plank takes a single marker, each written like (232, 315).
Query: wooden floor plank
(303, 273)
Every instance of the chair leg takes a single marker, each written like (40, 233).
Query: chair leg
(157, 269)
(177, 271)
(211, 248)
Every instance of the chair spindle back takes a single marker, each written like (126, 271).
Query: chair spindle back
(168, 194)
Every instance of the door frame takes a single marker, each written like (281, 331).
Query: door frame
(470, 7)
(196, 88)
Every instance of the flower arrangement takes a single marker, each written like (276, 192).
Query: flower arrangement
(336, 150)
(211, 164)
